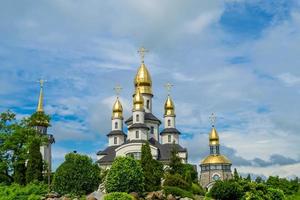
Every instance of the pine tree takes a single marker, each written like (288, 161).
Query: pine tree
(35, 163)
(248, 178)
(152, 169)
(176, 167)
(19, 175)
(236, 175)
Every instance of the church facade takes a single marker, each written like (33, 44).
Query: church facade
(142, 126)
(215, 166)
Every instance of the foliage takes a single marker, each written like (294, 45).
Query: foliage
(39, 119)
(35, 162)
(288, 187)
(190, 173)
(76, 175)
(176, 191)
(197, 189)
(175, 165)
(226, 190)
(236, 175)
(152, 169)
(118, 196)
(176, 180)
(125, 175)
(258, 179)
(32, 191)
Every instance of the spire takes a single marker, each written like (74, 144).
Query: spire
(117, 111)
(169, 105)
(142, 78)
(138, 101)
(40, 106)
(213, 136)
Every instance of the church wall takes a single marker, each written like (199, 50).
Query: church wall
(120, 124)
(172, 122)
(134, 147)
(46, 154)
(147, 97)
(111, 142)
(165, 138)
(156, 130)
(142, 134)
(206, 177)
(141, 118)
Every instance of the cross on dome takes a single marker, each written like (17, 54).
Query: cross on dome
(42, 81)
(168, 87)
(142, 52)
(118, 89)
(213, 119)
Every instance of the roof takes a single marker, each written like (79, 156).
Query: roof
(169, 130)
(215, 159)
(148, 116)
(116, 132)
(138, 125)
(164, 150)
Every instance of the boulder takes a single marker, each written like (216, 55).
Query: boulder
(135, 195)
(171, 197)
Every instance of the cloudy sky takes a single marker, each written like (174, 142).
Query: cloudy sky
(239, 59)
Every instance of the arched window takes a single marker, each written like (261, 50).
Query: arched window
(137, 134)
(152, 130)
(116, 125)
(137, 117)
(169, 138)
(115, 140)
(169, 122)
(148, 104)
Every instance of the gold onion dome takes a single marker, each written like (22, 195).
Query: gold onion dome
(117, 109)
(215, 159)
(143, 80)
(138, 100)
(169, 107)
(213, 137)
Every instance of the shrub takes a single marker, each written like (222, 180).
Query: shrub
(76, 175)
(197, 189)
(118, 196)
(177, 181)
(125, 175)
(275, 194)
(176, 191)
(226, 190)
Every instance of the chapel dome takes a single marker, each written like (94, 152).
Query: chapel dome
(215, 159)
(169, 107)
(143, 80)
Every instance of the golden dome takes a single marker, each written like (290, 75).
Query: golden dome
(215, 159)
(138, 100)
(169, 107)
(213, 137)
(117, 109)
(143, 80)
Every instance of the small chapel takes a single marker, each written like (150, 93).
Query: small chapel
(142, 126)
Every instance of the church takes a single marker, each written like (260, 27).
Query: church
(142, 126)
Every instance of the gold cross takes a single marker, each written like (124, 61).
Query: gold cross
(117, 89)
(213, 119)
(142, 52)
(42, 81)
(168, 87)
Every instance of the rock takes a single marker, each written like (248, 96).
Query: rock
(52, 195)
(150, 196)
(171, 197)
(135, 195)
(186, 198)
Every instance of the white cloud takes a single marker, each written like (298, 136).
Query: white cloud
(289, 79)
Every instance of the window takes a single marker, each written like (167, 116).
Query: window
(137, 118)
(152, 130)
(135, 155)
(115, 140)
(216, 177)
(137, 134)
(148, 104)
(116, 125)
(169, 138)
(169, 122)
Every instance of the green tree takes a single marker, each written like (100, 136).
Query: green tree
(125, 175)
(76, 175)
(175, 165)
(226, 190)
(152, 169)
(236, 175)
(35, 162)
(248, 178)
(258, 179)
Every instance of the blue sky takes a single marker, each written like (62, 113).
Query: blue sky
(238, 59)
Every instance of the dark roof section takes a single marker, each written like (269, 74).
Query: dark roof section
(148, 116)
(109, 154)
(170, 130)
(164, 151)
(116, 132)
(138, 125)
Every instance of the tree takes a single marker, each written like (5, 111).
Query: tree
(125, 175)
(152, 169)
(248, 178)
(236, 175)
(35, 163)
(76, 175)
(226, 190)
(258, 179)
(175, 165)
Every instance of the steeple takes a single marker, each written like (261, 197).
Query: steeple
(214, 137)
(40, 106)
(138, 101)
(117, 109)
(169, 107)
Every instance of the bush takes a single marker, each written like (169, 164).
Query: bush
(197, 189)
(118, 196)
(125, 175)
(226, 190)
(275, 194)
(32, 191)
(176, 191)
(177, 181)
(76, 175)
